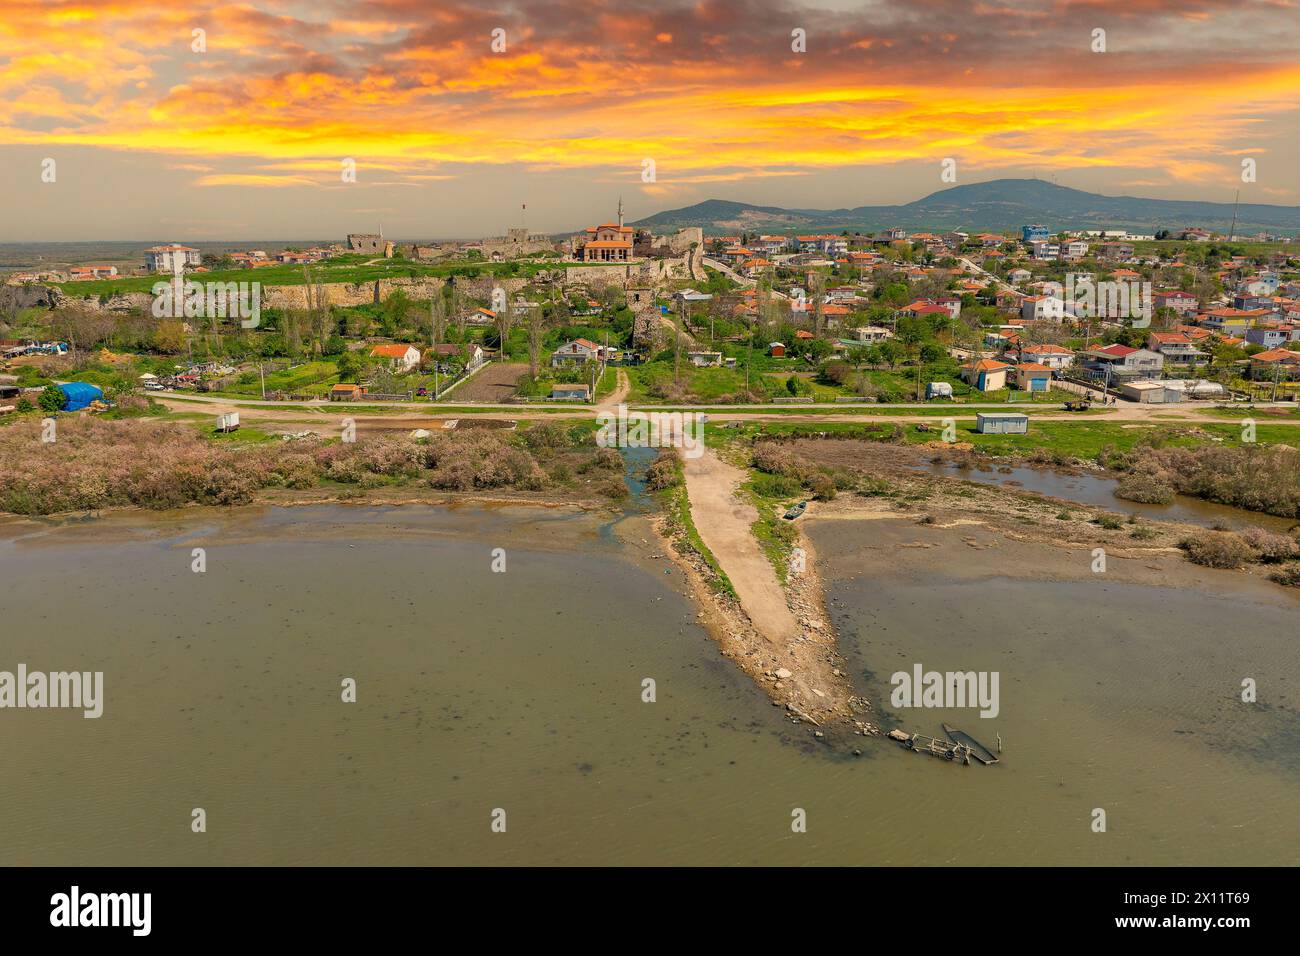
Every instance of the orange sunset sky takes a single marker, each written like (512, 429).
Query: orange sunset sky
(245, 139)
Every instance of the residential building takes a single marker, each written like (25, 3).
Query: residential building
(987, 375)
(1054, 357)
(577, 352)
(1123, 360)
(1036, 308)
(1275, 364)
(1176, 347)
(1270, 338)
(403, 358)
(1033, 377)
(172, 257)
(1184, 303)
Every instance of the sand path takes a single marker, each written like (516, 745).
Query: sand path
(724, 521)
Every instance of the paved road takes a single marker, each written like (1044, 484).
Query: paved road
(865, 412)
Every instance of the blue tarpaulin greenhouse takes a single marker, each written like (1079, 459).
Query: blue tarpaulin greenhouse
(80, 394)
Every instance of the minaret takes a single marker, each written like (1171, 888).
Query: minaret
(620, 212)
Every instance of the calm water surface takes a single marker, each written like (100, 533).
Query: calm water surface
(522, 691)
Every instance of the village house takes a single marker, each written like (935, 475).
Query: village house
(1034, 308)
(402, 358)
(474, 355)
(1033, 377)
(82, 273)
(986, 375)
(1045, 250)
(1074, 249)
(346, 393)
(870, 334)
(171, 258)
(1270, 337)
(1123, 360)
(1184, 303)
(1275, 364)
(577, 352)
(1054, 357)
(1230, 321)
(1176, 347)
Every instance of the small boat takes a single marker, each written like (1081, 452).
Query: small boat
(977, 749)
(795, 511)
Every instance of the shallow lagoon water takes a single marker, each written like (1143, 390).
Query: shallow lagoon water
(522, 691)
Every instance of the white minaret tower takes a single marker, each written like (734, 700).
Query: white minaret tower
(620, 212)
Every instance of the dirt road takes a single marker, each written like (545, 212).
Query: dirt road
(622, 386)
(724, 521)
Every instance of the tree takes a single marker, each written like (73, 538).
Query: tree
(890, 352)
(536, 337)
(350, 366)
(437, 320)
(52, 399)
(169, 336)
(817, 289)
(504, 321)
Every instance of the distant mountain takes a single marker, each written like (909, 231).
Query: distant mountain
(998, 206)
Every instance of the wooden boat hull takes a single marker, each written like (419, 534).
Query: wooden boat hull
(977, 749)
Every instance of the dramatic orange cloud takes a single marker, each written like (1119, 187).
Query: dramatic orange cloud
(711, 90)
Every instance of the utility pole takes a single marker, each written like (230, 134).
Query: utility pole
(263, 375)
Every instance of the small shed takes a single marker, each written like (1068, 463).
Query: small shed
(1001, 423)
(776, 349)
(571, 392)
(79, 395)
(343, 392)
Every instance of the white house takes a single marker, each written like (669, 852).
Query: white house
(577, 352)
(1036, 307)
(171, 257)
(403, 358)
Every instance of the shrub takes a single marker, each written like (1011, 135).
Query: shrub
(1253, 477)
(665, 471)
(1269, 546)
(613, 488)
(776, 460)
(605, 459)
(1217, 549)
(550, 435)
(52, 399)
(777, 486)
(1288, 575)
(823, 487)
(1146, 489)
(1109, 521)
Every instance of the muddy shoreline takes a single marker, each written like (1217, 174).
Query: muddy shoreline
(1024, 535)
